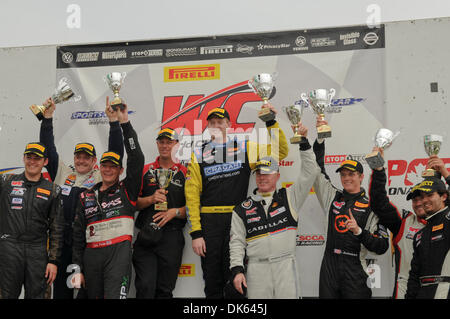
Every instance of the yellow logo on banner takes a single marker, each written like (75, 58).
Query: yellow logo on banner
(192, 73)
(187, 270)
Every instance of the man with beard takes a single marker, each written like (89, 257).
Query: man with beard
(429, 276)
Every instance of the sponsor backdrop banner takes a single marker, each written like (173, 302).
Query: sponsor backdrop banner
(175, 83)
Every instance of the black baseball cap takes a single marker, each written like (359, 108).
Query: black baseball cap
(266, 165)
(111, 157)
(85, 147)
(428, 185)
(169, 133)
(36, 148)
(351, 165)
(218, 112)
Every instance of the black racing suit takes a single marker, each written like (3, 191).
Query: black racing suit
(403, 227)
(30, 215)
(217, 179)
(429, 277)
(104, 225)
(72, 184)
(157, 264)
(343, 273)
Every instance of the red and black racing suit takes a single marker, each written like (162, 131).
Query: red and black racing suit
(104, 226)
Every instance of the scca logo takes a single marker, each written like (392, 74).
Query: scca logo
(196, 107)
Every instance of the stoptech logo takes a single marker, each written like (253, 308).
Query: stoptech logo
(310, 240)
(187, 270)
(403, 175)
(338, 159)
(192, 73)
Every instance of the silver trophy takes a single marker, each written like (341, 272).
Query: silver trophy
(164, 177)
(62, 93)
(320, 101)
(263, 84)
(294, 114)
(383, 139)
(432, 144)
(115, 81)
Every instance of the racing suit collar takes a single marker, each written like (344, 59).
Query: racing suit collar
(436, 213)
(347, 196)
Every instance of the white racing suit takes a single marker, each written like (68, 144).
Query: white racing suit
(264, 231)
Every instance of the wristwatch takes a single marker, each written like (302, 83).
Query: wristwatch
(177, 213)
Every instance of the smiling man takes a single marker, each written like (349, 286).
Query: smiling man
(217, 179)
(264, 229)
(429, 276)
(158, 249)
(353, 230)
(30, 213)
(73, 179)
(104, 221)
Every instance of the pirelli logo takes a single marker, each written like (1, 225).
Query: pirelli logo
(187, 270)
(192, 73)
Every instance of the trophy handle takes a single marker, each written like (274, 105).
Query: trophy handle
(331, 95)
(124, 74)
(304, 97)
(250, 85)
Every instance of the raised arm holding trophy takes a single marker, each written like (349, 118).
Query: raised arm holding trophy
(62, 93)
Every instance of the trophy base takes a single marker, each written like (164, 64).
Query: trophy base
(375, 160)
(161, 206)
(117, 103)
(429, 173)
(266, 115)
(297, 139)
(324, 131)
(38, 111)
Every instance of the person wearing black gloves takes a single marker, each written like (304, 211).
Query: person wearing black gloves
(158, 249)
(353, 229)
(30, 216)
(264, 230)
(73, 179)
(429, 277)
(104, 222)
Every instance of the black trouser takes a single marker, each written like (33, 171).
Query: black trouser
(216, 263)
(22, 264)
(157, 266)
(342, 277)
(107, 271)
(60, 289)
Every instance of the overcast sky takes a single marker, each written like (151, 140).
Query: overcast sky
(45, 22)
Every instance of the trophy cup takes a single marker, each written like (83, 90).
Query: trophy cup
(319, 100)
(383, 139)
(262, 85)
(115, 81)
(432, 144)
(164, 176)
(62, 93)
(294, 114)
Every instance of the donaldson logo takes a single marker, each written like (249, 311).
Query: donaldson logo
(187, 270)
(192, 73)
